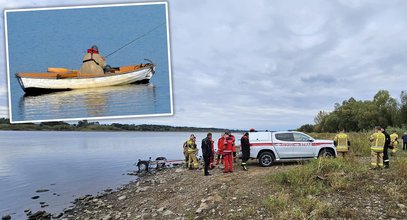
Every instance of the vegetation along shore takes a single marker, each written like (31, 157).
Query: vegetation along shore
(85, 125)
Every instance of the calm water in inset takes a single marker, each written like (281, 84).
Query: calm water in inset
(59, 38)
(74, 163)
(97, 102)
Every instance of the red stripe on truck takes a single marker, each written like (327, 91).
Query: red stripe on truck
(261, 144)
(288, 144)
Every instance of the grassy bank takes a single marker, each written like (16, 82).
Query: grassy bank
(339, 188)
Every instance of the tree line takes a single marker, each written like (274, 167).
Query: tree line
(362, 115)
(85, 125)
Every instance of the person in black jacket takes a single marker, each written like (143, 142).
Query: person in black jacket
(404, 137)
(386, 161)
(245, 146)
(207, 152)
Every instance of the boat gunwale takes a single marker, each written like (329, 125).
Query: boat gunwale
(147, 66)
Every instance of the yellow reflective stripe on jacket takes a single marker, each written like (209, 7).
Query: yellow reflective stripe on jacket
(380, 139)
(342, 140)
(191, 146)
(377, 149)
(342, 149)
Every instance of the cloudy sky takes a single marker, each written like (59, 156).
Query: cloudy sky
(269, 64)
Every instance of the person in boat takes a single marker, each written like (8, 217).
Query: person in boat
(93, 62)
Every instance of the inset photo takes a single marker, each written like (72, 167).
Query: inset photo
(88, 62)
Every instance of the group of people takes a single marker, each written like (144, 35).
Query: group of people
(381, 145)
(226, 152)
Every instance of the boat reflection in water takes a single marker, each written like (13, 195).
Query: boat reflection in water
(96, 102)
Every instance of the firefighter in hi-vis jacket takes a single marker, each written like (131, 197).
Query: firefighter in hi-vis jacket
(342, 142)
(377, 140)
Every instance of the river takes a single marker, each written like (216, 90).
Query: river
(71, 164)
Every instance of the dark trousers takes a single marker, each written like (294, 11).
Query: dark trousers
(207, 161)
(404, 145)
(245, 156)
(386, 161)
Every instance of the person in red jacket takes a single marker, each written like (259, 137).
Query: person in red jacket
(221, 143)
(233, 147)
(228, 152)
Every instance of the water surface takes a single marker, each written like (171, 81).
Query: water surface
(71, 164)
(97, 102)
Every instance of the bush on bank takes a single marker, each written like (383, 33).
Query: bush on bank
(297, 190)
(307, 191)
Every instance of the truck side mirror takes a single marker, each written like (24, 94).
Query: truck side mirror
(310, 140)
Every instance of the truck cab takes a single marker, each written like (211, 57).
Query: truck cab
(269, 147)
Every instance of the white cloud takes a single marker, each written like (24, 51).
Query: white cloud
(3, 111)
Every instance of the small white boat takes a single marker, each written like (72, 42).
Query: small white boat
(64, 79)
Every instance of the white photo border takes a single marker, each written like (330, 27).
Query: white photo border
(171, 113)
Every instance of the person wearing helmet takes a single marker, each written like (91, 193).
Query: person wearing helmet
(192, 152)
(377, 140)
(93, 62)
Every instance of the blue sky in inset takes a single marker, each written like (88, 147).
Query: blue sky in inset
(271, 64)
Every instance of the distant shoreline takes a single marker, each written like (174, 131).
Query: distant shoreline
(95, 126)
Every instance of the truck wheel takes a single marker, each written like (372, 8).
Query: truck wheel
(326, 153)
(266, 159)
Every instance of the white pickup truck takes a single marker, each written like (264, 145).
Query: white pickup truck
(269, 147)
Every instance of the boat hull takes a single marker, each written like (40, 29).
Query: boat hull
(45, 85)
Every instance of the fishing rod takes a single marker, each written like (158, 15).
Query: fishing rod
(141, 36)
